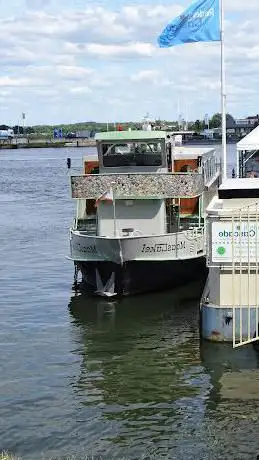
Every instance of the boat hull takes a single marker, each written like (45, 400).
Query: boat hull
(135, 277)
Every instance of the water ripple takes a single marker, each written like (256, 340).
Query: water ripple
(79, 376)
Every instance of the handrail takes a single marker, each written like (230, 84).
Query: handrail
(191, 234)
(228, 212)
(143, 173)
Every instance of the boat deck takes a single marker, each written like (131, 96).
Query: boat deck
(89, 224)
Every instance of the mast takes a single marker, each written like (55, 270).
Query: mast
(223, 94)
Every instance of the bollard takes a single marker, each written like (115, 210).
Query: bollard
(233, 174)
(69, 163)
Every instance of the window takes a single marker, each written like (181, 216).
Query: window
(137, 153)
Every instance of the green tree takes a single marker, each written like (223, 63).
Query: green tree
(197, 125)
(29, 130)
(215, 121)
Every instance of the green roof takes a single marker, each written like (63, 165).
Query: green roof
(130, 135)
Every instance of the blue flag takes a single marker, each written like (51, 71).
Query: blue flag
(198, 23)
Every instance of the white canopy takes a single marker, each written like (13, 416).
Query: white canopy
(250, 142)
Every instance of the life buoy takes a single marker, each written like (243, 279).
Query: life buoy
(188, 168)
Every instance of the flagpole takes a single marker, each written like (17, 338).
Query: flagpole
(223, 94)
(114, 211)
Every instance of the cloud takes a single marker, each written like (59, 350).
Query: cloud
(80, 90)
(148, 76)
(6, 81)
(107, 57)
(239, 6)
(129, 50)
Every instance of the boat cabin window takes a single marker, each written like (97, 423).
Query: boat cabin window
(136, 153)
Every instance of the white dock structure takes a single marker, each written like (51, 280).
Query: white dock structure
(230, 301)
(248, 155)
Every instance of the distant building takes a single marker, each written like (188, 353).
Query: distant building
(6, 134)
(84, 134)
(253, 120)
(208, 133)
(241, 127)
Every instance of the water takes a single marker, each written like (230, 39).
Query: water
(81, 376)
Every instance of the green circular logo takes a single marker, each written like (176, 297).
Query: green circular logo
(221, 250)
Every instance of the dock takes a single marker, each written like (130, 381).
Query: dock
(27, 143)
(230, 302)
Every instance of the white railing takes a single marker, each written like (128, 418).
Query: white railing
(233, 247)
(245, 271)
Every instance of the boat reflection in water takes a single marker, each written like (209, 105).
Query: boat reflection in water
(234, 372)
(149, 384)
(139, 357)
(232, 407)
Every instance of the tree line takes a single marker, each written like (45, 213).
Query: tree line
(47, 130)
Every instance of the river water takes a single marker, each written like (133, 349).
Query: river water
(83, 377)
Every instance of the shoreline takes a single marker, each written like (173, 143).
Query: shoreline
(37, 144)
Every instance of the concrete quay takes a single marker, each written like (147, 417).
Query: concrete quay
(23, 143)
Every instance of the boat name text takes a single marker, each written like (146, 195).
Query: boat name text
(87, 249)
(163, 247)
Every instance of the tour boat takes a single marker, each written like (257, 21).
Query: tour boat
(139, 222)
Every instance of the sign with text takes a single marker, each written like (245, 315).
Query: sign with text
(238, 241)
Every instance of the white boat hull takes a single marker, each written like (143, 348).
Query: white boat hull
(174, 246)
(134, 265)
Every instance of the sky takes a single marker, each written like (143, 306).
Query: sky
(66, 61)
